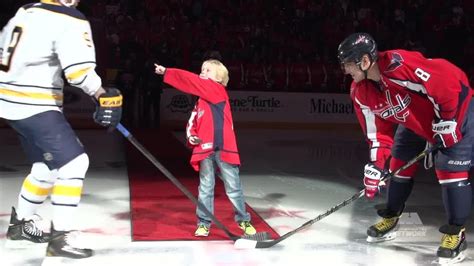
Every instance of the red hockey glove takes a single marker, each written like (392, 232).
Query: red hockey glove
(372, 177)
(446, 133)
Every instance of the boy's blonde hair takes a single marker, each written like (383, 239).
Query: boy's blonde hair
(221, 71)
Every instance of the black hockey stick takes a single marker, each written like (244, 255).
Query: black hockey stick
(249, 244)
(260, 236)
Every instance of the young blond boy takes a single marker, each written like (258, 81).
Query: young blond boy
(211, 134)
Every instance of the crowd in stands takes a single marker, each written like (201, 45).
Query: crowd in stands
(267, 45)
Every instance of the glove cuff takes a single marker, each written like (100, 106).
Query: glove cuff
(110, 100)
(444, 127)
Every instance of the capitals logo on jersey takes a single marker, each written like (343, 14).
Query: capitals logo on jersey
(398, 107)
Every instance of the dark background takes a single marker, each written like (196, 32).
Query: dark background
(271, 45)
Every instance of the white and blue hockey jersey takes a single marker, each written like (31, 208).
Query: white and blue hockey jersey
(39, 44)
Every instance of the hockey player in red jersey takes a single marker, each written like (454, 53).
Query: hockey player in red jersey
(430, 101)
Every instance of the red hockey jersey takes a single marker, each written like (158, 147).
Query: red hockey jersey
(211, 119)
(413, 91)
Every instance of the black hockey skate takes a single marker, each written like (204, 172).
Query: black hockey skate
(60, 246)
(453, 244)
(24, 232)
(384, 230)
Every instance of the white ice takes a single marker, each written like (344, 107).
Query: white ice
(289, 177)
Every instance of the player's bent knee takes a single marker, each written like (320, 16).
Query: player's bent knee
(76, 168)
(41, 172)
(456, 184)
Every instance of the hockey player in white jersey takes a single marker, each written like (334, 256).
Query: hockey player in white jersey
(40, 44)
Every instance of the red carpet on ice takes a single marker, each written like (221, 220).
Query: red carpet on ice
(159, 210)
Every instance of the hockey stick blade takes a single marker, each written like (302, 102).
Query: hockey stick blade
(250, 244)
(260, 236)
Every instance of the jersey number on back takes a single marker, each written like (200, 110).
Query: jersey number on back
(423, 75)
(8, 54)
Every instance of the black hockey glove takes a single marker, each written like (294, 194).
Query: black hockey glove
(109, 108)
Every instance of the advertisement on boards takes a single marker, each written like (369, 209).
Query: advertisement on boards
(268, 107)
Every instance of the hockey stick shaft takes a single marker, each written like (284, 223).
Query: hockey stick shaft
(267, 244)
(173, 179)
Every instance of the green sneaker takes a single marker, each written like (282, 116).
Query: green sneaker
(202, 230)
(248, 228)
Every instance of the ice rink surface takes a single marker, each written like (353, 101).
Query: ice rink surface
(289, 177)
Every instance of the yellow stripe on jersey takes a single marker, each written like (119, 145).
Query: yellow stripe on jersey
(77, 74)
(69, 191)
(34, 189)
(33, 95)
(51, 2)
(61, 10)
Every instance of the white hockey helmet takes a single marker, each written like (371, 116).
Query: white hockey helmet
(69, 3)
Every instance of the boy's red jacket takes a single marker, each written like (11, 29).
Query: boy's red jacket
(211, 119)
